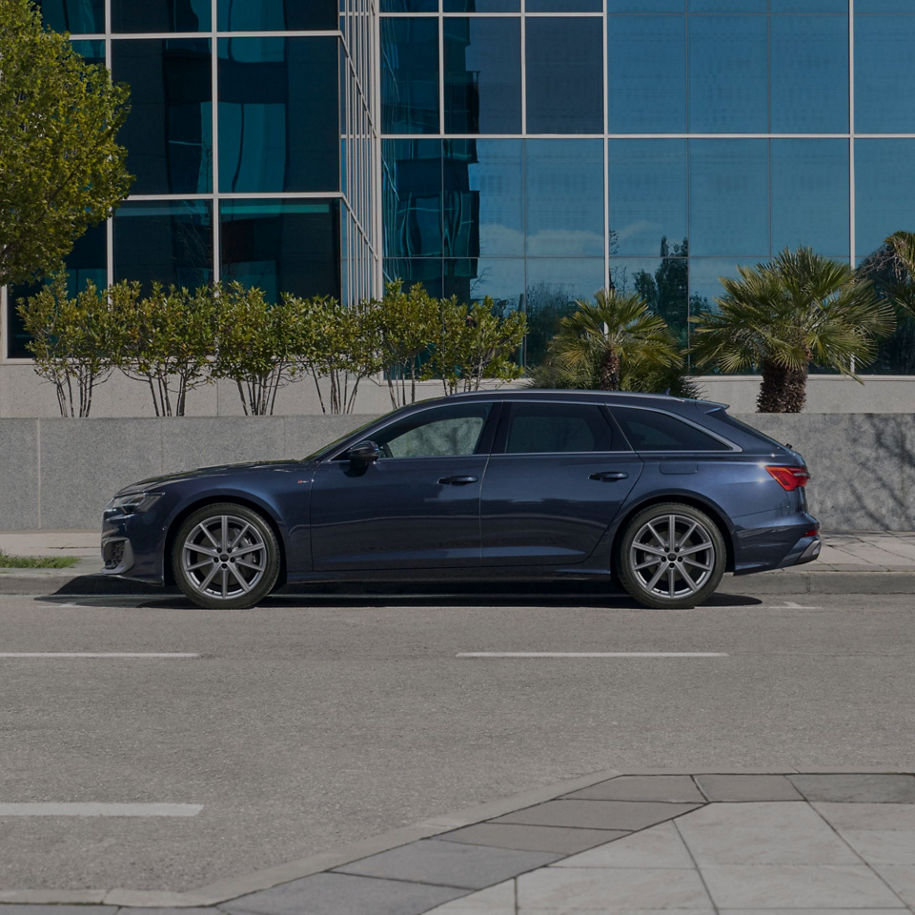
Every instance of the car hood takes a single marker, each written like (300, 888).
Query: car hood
(218, 470)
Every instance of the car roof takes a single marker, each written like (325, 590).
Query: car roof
(564, 394)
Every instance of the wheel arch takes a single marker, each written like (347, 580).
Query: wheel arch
(213, 499)
(710, 508)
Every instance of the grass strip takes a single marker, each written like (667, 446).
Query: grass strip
(36, 562)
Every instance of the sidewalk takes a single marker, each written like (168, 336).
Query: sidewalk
(878, 562)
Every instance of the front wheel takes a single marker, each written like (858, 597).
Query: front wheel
(226, 555)
(671, 556)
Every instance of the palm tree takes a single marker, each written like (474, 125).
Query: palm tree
(902, 245)
(779, 317)
(614, 343)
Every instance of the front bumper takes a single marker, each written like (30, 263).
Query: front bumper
(132, 547)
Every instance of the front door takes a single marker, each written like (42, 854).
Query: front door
(417, 506)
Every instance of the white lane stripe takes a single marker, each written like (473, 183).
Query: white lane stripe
(99, 654)
(591, 654)
(55, 809)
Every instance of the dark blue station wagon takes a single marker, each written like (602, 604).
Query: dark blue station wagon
(662, 493)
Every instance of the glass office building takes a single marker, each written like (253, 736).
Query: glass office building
(529, 150)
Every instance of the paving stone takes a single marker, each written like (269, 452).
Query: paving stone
(736, 788)
(856, 911)
(557, 839)
(762, 833)
(797, 886)
(17, 909)
(495, 900)
(138, 910)
(863, 788)
(882, 846)
(574, 890)
(625, 815)
(901, 877)
(676, 788)
(660, 846)
(868, 816)
(448, 863)
(341, 894)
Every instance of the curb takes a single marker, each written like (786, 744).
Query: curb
(899, 580)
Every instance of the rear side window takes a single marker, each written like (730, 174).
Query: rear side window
(549, 428)
(649, 430)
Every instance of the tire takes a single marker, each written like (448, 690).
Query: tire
(226, 555)
(671, 556)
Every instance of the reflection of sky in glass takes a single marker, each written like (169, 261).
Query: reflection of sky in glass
(810, 195)
(704, 273)
(729, 197)
(565, 210)
(884, 103)
(496, 176)
(809, 74)
(500, 278)
(646, 60)
(884, 191)
(728, 74)
(647, 194)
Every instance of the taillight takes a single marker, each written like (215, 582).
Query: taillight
(789, 478)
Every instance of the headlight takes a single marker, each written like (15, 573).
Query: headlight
(133, 502)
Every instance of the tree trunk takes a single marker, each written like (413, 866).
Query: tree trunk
(609, 371)
(782, 390)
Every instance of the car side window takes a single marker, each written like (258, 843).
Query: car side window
(444, 432)
(548, 428)
(650, 430)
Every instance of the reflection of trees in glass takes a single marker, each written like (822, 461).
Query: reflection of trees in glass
(545, 305)
(893, 280)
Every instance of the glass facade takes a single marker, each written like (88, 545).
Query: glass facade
(529, 150)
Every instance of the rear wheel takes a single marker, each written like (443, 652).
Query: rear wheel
(671, 556)
(226, 555)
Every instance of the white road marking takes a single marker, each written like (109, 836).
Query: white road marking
(591, 654)
(133, 655)
(792, 605)
(55, 809)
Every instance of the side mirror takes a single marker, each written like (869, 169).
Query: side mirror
(363, 454)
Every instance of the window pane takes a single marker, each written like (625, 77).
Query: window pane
(884, 100)
(564, 60)
(282, 245)
(482, 6)
(473, 279)
(169, 134)
(705, 278)
(278, 114)
(884, 191)
(412, 190)
(728, 74)
(662, 282)
(883, 6)
(729, 198)
(164, 241)
(409, 6)
(426, 271)
(91, 50)
(482, 198)
(564, 193)
(409, 76)
(74, 16)
(646, 60)
(810, 195)
(545, 428)
(160, 16)
(482, 75)
(728, 6)
(648, 192)
(564, 6)
(649, 430)
(646, 6)
(809, 74)
(812, 6)
(298, 15)
(443, 432)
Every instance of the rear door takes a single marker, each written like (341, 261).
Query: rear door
(557, 478)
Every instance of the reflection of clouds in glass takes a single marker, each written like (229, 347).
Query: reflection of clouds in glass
(573, 242)
(642, 226)
(498, 239)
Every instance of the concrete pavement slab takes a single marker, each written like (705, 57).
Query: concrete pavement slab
(573, 890)
(449, 863)
(764, 833)
(672, 788)
(658, 847)
(852, 787)
(334, 894)
(735, 788)
(625, 815)
(868, 816)
(901, 878)
(495, 900)
(562, 840)
(882, 846)
(777, 886)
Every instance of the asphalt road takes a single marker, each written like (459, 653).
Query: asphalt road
(306, 724)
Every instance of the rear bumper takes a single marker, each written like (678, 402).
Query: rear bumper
(777, 546)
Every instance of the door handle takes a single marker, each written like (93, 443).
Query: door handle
(458, 481)
(608, 476)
